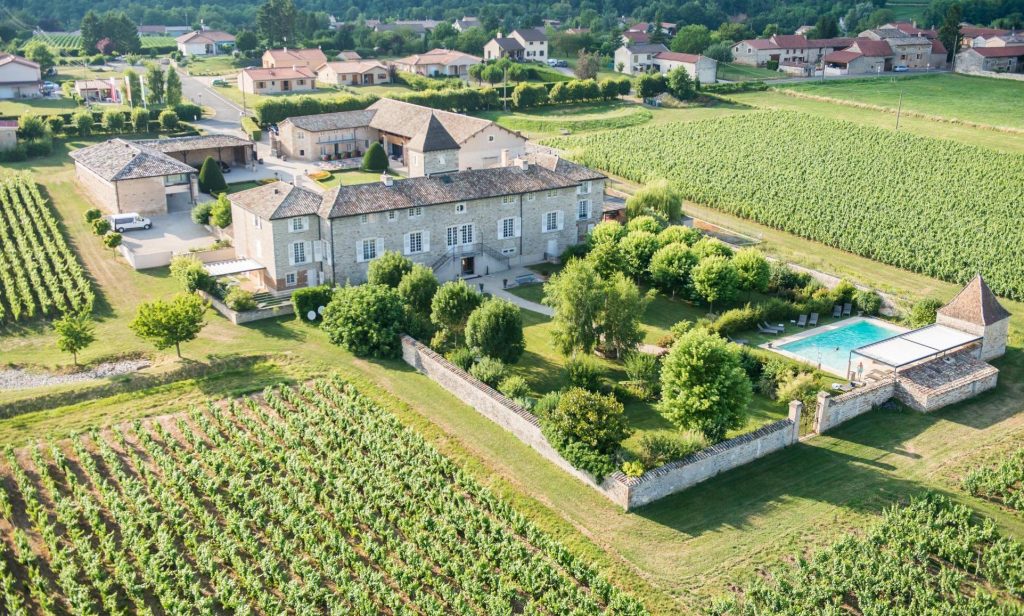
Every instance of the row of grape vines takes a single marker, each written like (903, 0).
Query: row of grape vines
(66, 41)
(929, 557)
(941, 208)
(307, 500)
(39, 274)
(1003, 483)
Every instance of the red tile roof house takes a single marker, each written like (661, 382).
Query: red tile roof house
(789, 49)
(991, 59)
(276, 80)
(280, 58)
(864, 57)
(699, 67)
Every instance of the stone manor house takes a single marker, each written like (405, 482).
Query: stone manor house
(459, 223)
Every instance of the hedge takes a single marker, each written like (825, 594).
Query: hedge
(309, 299)
(251, 128)
(419, 82)
(274, 110)
(734, 87)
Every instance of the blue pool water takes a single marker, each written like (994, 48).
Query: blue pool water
(832, 348)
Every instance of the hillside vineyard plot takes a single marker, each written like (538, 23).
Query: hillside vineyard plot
(39, 274)
(306, 501)
(932, 206)
(65, 41)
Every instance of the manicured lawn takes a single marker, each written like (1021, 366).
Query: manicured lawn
(996, 102)
(348, 178)
(742, 72)
(217, 65)
(38, 106)
(1007, 142)
(240, 186)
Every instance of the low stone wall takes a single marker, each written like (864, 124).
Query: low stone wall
(995, 75)
(679, 475)
(627, 492)
(211, 256)
(239, 318)
(833, 411)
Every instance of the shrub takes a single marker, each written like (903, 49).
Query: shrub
(868, 301)
(587, 428)
(112, 240)
(220, 212)
(31, 126)
(366, 320)
(753, 270)
(190, 273)
(210, 177)
(637, 249)
(495, 329)
(251, 129)
(488, 370)
(709, 246)
(606, 258)
(715, 279)
(782, 278)
(140, 120)
(547, 403)
(375, 158)
(843, 292)
(168, 120)
(924, 312)
(311, 299)
(461, 357)
(645, 222)
(643, 372)
(389, 269)
(800, 387)
(658, 450)
(450, 309)
(82, 122)
(100, 226)
(737, 320)
(92, 214)
(201, 213)
(417, 289)
(240, 300)
(658, 197)
(680, 234)
(633, 468)
(606, 231)
(514, 387)
(773, 371)
(55, 124)
(584, 372)
(189, 111)
(113, 121)
(670, 267)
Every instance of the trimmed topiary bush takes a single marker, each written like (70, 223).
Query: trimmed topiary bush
(375, 158)
(210, 177)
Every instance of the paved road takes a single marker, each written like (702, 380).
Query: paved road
(226, 114)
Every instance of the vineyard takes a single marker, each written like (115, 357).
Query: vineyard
(64, 41)
(926, 558)
(1003, 483)
(39, 274)
(302, 501)
(936, 207)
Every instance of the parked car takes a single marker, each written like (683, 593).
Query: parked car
(563, 63)
(552, 62)
(129, 221)
(220, 83)
(901, 68)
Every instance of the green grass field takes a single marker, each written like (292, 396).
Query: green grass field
(728, 71)
(216, 65)
(349, 178)
(38, 106)
(995, 102)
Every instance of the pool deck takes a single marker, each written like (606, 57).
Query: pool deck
(774, 345)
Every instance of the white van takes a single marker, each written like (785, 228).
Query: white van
(129, 221)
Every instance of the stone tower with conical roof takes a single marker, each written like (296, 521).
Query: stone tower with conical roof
(976, 310)
(432, 150)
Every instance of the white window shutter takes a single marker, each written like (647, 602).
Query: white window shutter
(426, 241)
(405, 243)
(291, 254)
(543, 223)
(318, 251)
(359, 251)
(500, 228)
(517, 227)
(379, 246)
(307, 252)
(560, 217)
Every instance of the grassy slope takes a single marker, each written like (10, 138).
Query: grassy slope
(996, 102)
(743, 72)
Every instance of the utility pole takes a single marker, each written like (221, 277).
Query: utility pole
(899, 110)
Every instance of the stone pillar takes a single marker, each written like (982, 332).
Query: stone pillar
(795, 409)
(821, 412)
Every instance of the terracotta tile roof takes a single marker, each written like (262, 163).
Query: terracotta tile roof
(637, 37)
(353, 66)
(432, 138)
(437, 56)
(973, 31)
(975, 303)
(438, 189)
(281, 72)
(119, 159)
(407, 119)
(197, 142)
(872, 48)
(999, 52)
(206, 36)
(675, 56)
(6, 58)
(348, 55)
(938, 47)
(287, 57)
(569, 169)
(843, 57)
(789, 41)
(278, 200)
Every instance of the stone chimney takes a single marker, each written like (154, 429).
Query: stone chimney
(504, 157)
(521, 163)
(386, 179)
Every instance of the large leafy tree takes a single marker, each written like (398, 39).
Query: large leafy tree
(577, 296)
(75, 332)
(275, 21)
(715, 279)
(172, 89)
(155, 84)
(495, 329)
(670, 268)
(388, 269)
(586, 428)
(366, 320)
(450, 309)
(417, 289)
(703, 385)
(41, 54)
(167, 324)
(624, 305)
(949, 32)
(752, 270)
(680, 84)
(637, 249)
(693, 38)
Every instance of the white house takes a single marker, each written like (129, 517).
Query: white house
(353, 73)
(205, 43)
(437, 62)
(19, 78)
(699, 67)
(638, 58)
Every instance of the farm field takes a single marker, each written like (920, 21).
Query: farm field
(39, 273)
(64, 41)
(310, 498)
(970, 135)
(729, 71)
(893, 208)
(994, 102)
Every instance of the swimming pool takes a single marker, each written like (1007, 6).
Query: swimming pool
(831, 348)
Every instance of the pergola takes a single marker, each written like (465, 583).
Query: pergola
(914, 346)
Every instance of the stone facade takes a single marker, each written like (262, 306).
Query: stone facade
(273, 243)
(627, 492)
(431, 163)
(145, 196)
(832, 411)
(312, 146)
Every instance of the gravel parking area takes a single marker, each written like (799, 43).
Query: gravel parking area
(19, 378)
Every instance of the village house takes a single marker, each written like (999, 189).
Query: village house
(8, 135)
(667, 28)
(294, 58)
(152, 176)
(19, 78)
(1008, 59)
(522, 44)
(353, 73)
(998, 40)
(437, 62)
(863, 57)
(969, 33)
(638, 58)
(205, 43)
(98, 90)
(460, 224)
(347, 56)
(276, 80)
(699, 67)
(403, 129)
(419, 27)
(786, 49)
(907, 50)
(466, 23)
